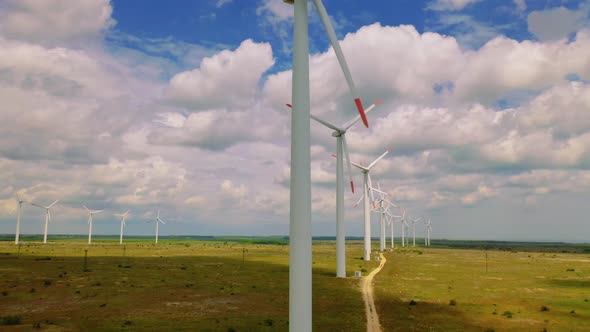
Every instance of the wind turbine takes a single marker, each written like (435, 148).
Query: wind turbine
(123, 218)
(391, 222)
(403, 223)
(47, 217)
(300, 261)
(91, 213)
(382, 215)
(158, 221)
(366, 189)
(428, 229)
(413, 221)
(341, 149)
(20, 207)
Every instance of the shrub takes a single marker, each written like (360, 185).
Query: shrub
(570, 270)
(231, 329)
(453, 302)
(507, 314)
(10, 320)
(544, 308)
(47, 283)
(412, 302)
(268, 322)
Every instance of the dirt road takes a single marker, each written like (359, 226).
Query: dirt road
(367, 286)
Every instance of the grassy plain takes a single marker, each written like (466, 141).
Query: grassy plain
(175, 285)
(241, 284)
(433, 289)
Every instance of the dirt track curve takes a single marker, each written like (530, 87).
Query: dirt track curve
(367, 286)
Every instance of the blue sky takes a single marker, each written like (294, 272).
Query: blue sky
(145, 105)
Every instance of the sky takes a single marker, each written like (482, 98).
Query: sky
(146, 105)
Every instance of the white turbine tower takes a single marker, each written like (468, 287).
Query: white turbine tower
(414, 230)
(391, 222)
(428, 229)
(123, 217)
(91, 214)
(367, 186)
(47, 217)
(158, 221)
(403, 224)
(382, 205)
(300, 304)
(341, 150)
(18, 213)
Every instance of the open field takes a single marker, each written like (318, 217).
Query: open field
(241, 284)
(521, 291)
(176, 285)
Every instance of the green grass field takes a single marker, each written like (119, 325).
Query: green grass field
(241, 284)
(521, 291)
(176, 285)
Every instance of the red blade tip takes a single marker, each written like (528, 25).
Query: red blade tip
(289, 105)
(333, 155)
(361, 109)
(352, 186)
(378, 102)
(390, 149)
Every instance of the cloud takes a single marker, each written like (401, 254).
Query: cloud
(520, 5)
(481, 193)
(221, 3)
(227, 79)
(55, 21)
(556, 23)
(275, 11)
(450, 4)
(216, 129)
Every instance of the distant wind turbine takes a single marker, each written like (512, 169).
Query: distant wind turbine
(366, 191)
(341, 149)
(20, 207)
(413, 221)
(47, 217)
(428, 229)
(123, 224)
(91, 213)
(158, 221)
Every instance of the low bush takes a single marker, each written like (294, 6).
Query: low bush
(10, 320)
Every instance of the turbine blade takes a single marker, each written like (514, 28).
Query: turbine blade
(358, 166)
(52, 204)
(358, 117)
(347, 161)
(340, 56)
(380, 192)
(325, 123)
(379, 158)
(87, 209)
(359, 201)
(370, 190)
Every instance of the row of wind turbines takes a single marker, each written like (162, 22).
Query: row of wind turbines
(91, 213)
